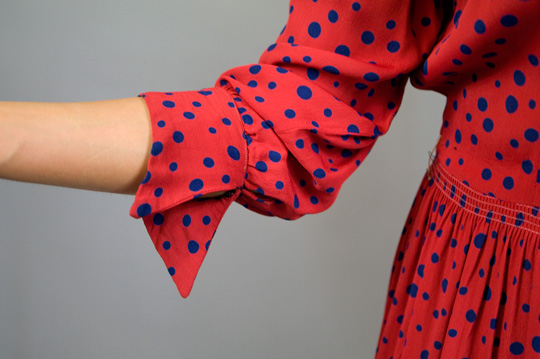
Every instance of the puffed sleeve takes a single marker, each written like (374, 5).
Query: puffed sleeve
(282, 135)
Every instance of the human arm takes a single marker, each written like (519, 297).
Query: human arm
(99, 145)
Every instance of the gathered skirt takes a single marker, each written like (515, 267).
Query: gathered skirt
(465, 280)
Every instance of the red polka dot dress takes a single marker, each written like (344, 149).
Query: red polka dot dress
(282, 135)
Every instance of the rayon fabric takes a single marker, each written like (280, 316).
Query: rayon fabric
(282, 135)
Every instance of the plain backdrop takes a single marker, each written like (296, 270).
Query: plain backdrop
(80, 278)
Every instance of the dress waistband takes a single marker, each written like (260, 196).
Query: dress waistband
(482, 205)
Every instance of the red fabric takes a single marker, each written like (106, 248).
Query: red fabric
(284, 134)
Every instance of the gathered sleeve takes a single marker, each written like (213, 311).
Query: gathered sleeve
(282, 135)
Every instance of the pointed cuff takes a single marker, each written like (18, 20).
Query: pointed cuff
(197, 149)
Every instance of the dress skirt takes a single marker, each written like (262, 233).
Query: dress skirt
(465, 279)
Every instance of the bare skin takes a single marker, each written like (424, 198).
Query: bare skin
(100, 146)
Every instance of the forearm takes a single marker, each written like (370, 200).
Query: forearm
(101, 146)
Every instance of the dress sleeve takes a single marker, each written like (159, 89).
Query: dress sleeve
(281, 135)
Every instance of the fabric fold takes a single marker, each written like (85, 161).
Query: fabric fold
(172, 231)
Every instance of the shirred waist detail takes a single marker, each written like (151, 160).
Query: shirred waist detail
(492, 209)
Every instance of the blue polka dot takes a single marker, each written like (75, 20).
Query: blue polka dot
(319, 173)
(144, 210)
(178, 137)
(171, 271)
(206, 220)
(508, 183)
(147, 177)
(486, 174)
(482, 104)
(212, 130)
(356, 6)
(314, 30)
(466, 50)
(158, 219)
(247, 119)
(313, 74)
(527, 166)
(189, 115)
(346, 153)
(456, 18)
(196, 185)
(332, 16)
(186, 220)
(314, 200)
(479, 27)
(517, 348)
(233, 153)
(304, 92)
(193, 247)
(166, 245)
(514, 143)
(367, 37)
(509, 20)
(412, 290)
(272, 85)
(519, 78)
(290, 113)
(168, 104)
(511, 104)
(225, 179)
(452, 333)
(353, 129)
(533, 60)
(158, 192)
(393, 46)
(531, 135)
(371, 76)
(390, 24)
(157, 148)
(299, 143)
(536, 344)
(255, 69)
(208, 162)
(471, 315)
(479, 240)
(343, 50)
(274, 156)
(226, 121)
(279, 185)
(173, 166)
(296, 203)
(261, 166)
(161, 123)
(488, 124)
(458, 136)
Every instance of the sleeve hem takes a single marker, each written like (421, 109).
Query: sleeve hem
(180, 133)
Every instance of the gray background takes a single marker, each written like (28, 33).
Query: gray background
(79, 278)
